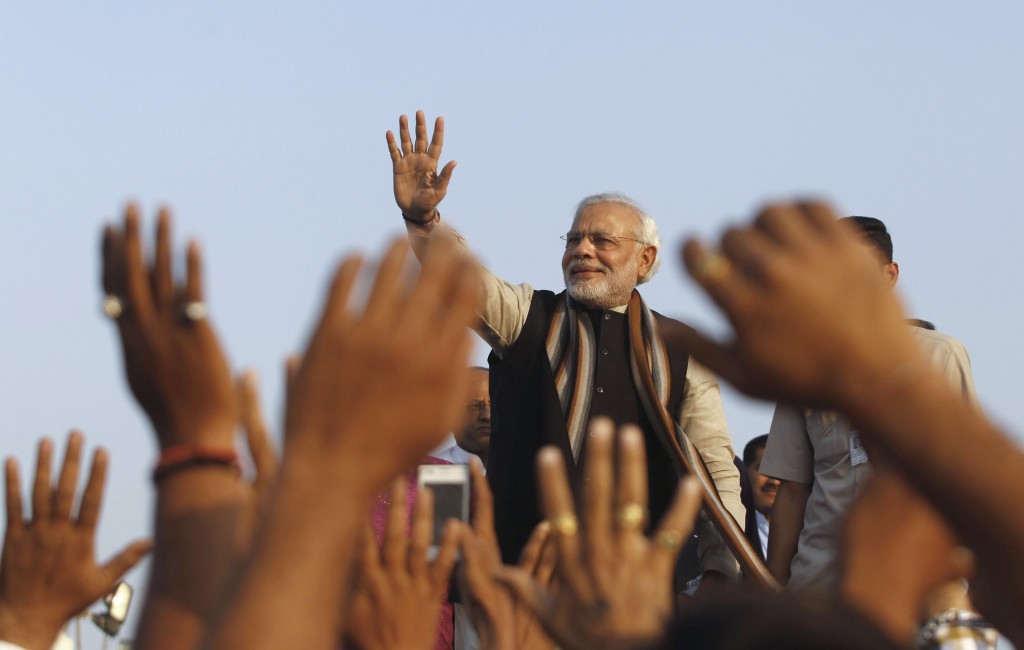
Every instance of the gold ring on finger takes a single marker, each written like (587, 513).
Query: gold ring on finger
(631, 516)
(193, 311)
(669, 540)
(564, 525)
(713, 267)
(112, 307)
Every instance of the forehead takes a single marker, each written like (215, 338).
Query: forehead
(479, 384)
(612, 218)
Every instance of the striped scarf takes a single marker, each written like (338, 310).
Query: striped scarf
(572, 353)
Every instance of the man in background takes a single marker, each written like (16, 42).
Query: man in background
(819, 459)
(763, 490)
(474, 436)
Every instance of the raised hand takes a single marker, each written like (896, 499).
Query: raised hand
(896, 551)
(613, 584)
(376, 391)
(175, 366)
(398, 592)
(503, 622)
(261, 451)
(418, 186)
(49, 571)
(798, 259)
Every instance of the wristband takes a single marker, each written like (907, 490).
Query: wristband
(957, 629)
(434, 216)
(179, 457)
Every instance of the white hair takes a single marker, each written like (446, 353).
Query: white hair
(648, 234)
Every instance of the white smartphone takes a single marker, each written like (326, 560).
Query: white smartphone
(450, 485)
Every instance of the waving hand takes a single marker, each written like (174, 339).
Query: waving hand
(418, 186)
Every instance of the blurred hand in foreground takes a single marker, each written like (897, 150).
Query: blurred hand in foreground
(175, 366)
(896, 551)
(502, 621)
(49, 571)
(377, 388)
(798, 259)
(613, 584)
(398, 592)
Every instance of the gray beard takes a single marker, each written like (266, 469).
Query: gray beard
(596, 297)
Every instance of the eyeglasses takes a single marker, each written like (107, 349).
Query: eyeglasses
(600, 240)
(477, 406)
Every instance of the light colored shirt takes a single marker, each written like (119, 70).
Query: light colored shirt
(454, 454)
(812, 446)
(502, 317)
(762, 532)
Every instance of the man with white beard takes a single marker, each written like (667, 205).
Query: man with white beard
(558, 360)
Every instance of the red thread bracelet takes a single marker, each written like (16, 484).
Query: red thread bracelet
(179, 457)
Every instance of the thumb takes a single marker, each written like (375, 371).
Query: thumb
(524, 588)
(722, 360)
(441, 184)
(121, 563)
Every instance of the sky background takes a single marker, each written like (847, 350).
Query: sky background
(263, 126)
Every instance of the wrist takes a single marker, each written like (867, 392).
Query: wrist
(27, 631)
(421, 219)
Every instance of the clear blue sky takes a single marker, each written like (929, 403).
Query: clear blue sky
(263, 125)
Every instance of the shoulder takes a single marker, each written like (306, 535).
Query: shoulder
(939, 346)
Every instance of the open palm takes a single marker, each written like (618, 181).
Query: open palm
(418, 186)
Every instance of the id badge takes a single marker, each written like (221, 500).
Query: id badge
(858, 455)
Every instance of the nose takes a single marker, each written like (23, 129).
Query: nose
(585, 248)
(484, 415)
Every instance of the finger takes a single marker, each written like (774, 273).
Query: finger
(41, 501)
(123, 562)
(719, 280)
(530, 558)
(421, 132)
(632, 475)
(723, 360)
(113, 262)
(292, 365)
(677, 523)
(472, 565)
(193, 272)
(786, 225)
(483, 502)
(422, 531)
(527, 591)
(442, 180)
(335, 312)
(437, 279)
(370, 569)
(136, 284)
(437, 139)
(597, 493)
(395, 533)
(387, 293)
(12, 492)
(162, 274)
(403, 134)
(64, 495)
(821, 215)
(556, 498)
(750, 250)
(396, 154)
(92, 496)
(547, 564)
(448, 296)
(257, 434)
(441, 570)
